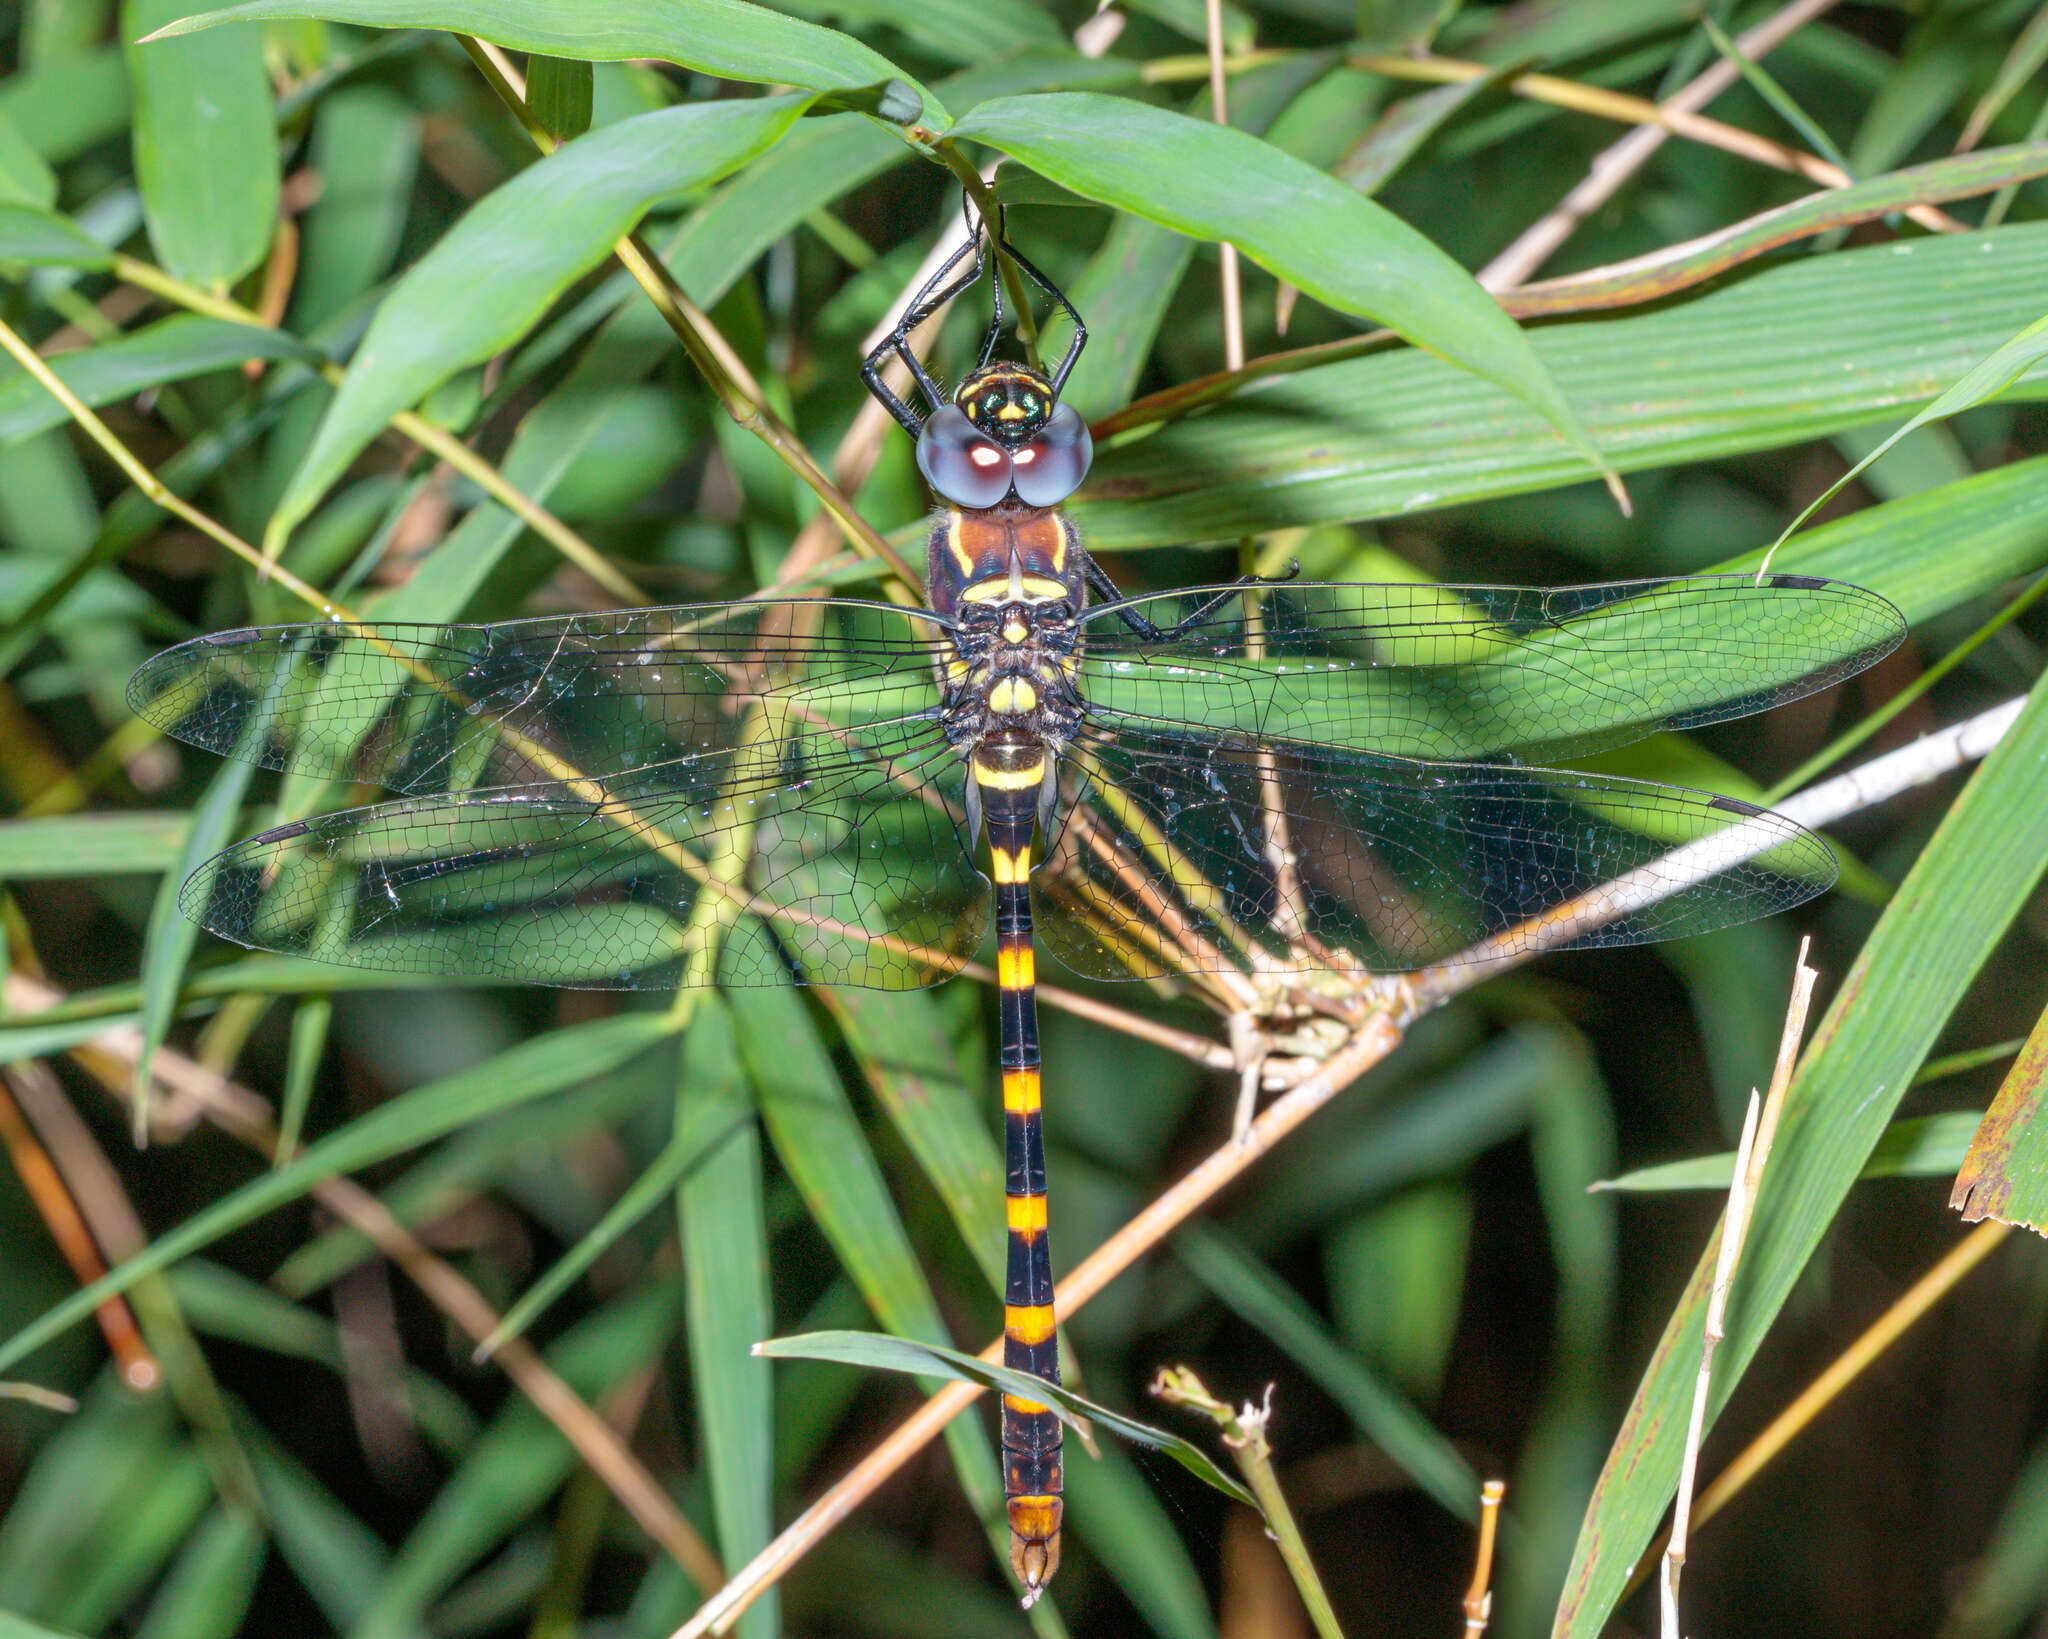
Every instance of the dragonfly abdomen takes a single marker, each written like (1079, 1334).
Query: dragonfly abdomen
(1009, 776)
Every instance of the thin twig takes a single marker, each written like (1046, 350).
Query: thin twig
(1616, 164)
(1759, 1130)
(1479, 1597)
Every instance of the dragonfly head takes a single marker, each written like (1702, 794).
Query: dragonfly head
(1005, 433)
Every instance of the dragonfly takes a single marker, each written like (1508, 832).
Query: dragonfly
(1290, 780)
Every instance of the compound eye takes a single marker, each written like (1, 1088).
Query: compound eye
(1052, 465)
(961, 463)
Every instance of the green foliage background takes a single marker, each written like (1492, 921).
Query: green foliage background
(314, 274)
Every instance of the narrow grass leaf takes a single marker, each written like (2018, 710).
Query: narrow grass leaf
(172, 349)
(1258, 1296)
(1942, 925)
(205, 145)
(901, 1045)
(336, 1558)
(526, 1072)
(821, 1146)
(1984, 380)
(2023, 60)
(1212, 182)
(727, 39)
(91, 845)
(2003, 1175)
(878, 1352)
(1917, 1146)
(209, 1588)
(2003, 1584)
(537, 234)
(20, 1627)
(729, 1305)
(1398, 135)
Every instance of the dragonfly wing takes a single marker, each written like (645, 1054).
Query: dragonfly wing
(853, 874)
(449, 708)
(1481, 672)
(1165, 861)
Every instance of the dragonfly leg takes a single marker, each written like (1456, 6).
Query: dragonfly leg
(927, 302)
(1098, 580)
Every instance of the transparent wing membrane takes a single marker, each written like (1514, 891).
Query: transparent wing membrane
(1396, 864)
(1471, 672)
(446, 708)
(1294, 775)
(852, 874)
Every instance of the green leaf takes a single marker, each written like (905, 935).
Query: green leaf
(91, 845)
(729, 1304)
(960, 31)
(205, 146)
(1258, 1296)
(537, 234)
(878, 1352)
(337, 1559)
(20, 1627)
(1941, 927)
(172, 349)
(1920, 1146)
(902, 1047)
(365, 146)
(1212, 182)
(40, 238)
(25, 177)
(2001, 1177)
(728, 39)
(209, 1589)
(526, 1072)
(558, 91)
(1984, 380)
(1797, 352)
(63, 108)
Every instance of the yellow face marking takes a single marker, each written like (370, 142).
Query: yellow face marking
(1027, 1213)
(1009, 779)
(1028, 1323)
(1037, 589)
(1020, 1094)
(987, 591)
(1015, 968)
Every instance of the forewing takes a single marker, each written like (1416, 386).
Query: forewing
(851, 873)
(450, 708)
(1165, 861)
(1478, 672)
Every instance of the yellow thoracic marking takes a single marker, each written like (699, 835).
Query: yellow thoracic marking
(1009, 779)
(1013, 587)
(1020, 1092)
(1015, 631)
(1026, 1213)
(961, 556)
(1015, 968)
(1028, 1323)
(957, 670)
(1012, 694)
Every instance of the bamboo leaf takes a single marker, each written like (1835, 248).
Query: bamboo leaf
(205, 146)
(537, 233)
(729, 39)
(900, 1354)
(558, 91)
(1940, 928)
(41, 238)
(2001, 1176)
(1798, 352)
(1212, 182)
